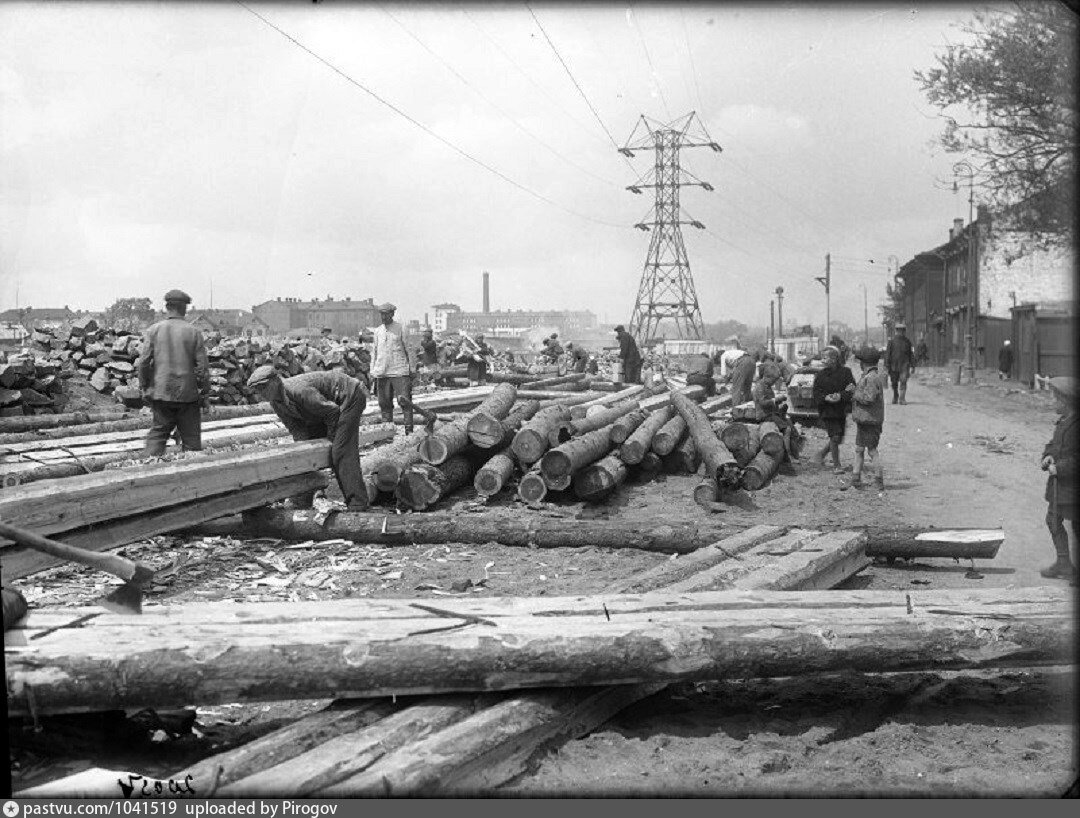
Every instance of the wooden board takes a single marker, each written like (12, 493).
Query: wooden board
(17, 561)
(51, 506)
(217, 652)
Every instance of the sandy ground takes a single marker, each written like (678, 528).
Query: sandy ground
(955, 456)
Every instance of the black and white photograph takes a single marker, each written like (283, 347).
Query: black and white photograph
(530, 400)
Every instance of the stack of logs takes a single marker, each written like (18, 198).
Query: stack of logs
(587, 445)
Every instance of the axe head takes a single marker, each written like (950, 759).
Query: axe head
(127, 599)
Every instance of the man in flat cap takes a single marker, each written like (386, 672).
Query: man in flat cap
(393, 365)
(900, 362)
(629, 354)
(313, 405)
(1059, 460)
(174, 375)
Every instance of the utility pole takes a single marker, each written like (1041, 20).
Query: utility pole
(772, 326)
(826, 281)
(667, 287)
(780, 310)
(865, 315)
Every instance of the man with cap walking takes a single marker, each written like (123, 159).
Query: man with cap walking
(631, 357)
(900, 361)
(393, 365)
(313, 405)
(1059, 460)
(174, 375)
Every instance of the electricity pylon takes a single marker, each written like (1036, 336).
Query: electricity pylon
(667, 287)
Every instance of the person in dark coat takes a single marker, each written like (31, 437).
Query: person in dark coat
(326, 404)
(900, 361)
(1005, 361)
(579, 357)
(631, 357)
(833, 387)
(174, 374)
(701, 373)
(1059, 460)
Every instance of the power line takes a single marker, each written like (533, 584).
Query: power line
(648, 59)
(586, 128)
(690, 53)
(570, 74)
(423, 127)
(494, 105)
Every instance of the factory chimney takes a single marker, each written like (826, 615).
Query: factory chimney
(487, 294)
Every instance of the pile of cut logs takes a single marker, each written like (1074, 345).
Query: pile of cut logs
(583, 443)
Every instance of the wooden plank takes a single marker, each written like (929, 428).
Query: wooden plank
(910, 542)
(218, 652)
(813, 566)
(17, 561)
(51, 506)
(758, 557)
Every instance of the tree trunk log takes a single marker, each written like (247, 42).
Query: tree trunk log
(651, 464)
(548, 383)
(683, 459)
(570, 429)
(911, 542)
(477, 529)
(569, 457)
(713, 405)
(743, 441)
(389, 469)
(625, 426)
(669, 435)
(516, 378)
(531, 440)
(423, 485)
(486, 432)
(454, 437)
(631, 392)
(493, 476)
(760, 471)
(532, 488)
(182, 655)
(706, 493)
(637, 444)
(597, 481)
(772, 440)
(720, 464)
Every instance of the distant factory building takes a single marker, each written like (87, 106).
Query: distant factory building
(344, 316)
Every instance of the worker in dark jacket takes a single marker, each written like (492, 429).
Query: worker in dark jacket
(1005, 360)
(700, 373)
(629, 354)
(1059, 460)
(175, 376)
(322, 404)
(900, 361)
(833, 387)
(578, 357)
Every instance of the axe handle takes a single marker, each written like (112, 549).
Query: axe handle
(109, 563)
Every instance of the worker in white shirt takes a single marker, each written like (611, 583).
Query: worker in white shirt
(393, 365)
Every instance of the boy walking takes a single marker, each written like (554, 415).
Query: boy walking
(868, 412)
(833, 386)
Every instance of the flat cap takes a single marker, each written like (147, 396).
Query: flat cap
(386, 306)
(868, 354)
(620, 328)
(901, 326)
(177, 297)
(1065, 386)
(261, 375)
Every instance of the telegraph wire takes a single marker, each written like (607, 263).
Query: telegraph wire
(648, 59)
(570, 74)
(460, 151)
(494, 105)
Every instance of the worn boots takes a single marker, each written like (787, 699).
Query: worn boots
(1061, 569)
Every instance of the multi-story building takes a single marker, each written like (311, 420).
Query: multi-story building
(984, 282)
(343, 316)
(509, 323)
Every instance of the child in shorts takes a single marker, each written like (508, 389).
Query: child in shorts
(868, 412)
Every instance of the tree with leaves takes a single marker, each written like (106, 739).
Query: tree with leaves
(130, 314)
(1008, 97)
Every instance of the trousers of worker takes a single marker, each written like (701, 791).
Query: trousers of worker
(742, 375)
(387, 389)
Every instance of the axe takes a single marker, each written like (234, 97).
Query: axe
(428, 416)
(127, 599)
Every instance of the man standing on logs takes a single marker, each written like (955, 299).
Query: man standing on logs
(900, 360)
(175, 376)
(1059, 460)
(327, 404)
(393, 365)
(629, 354)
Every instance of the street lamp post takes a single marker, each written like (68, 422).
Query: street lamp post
(825, 281)
(780, 310)
(971, 307)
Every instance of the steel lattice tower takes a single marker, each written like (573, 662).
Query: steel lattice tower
(667, 287)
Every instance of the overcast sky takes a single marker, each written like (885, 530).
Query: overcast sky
(151, 146)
